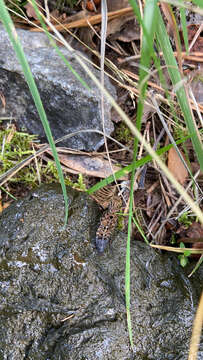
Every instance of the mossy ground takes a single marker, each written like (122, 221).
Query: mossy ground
(17, 146)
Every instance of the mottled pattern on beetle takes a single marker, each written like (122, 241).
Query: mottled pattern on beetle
(108, 224)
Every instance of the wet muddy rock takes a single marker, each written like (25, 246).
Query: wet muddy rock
(60, 299)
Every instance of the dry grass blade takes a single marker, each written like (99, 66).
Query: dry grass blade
(156, 87)
(104, 13)
(166, 8)
(193, 56)
(196, 332)
(177, 250)
(93, 20)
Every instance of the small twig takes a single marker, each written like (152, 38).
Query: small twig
(36, 164)
(196, 36)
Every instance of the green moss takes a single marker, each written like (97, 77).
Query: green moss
(120, 224)
(186, 220)
(14, 147)
(123, 133)
(17, 146)
(51, 172)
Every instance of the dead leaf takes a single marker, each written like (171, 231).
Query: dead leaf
(194, 236)
(176, 166)
(92, 166)
(11, 134)
(117, 5)
(75, 17)
(116, 27)
(57, 18)
(86, 35)
(195, 230)
(195, 167)
(92, 5)
(4, 206)
(125, 29)
(30, 10)
(172, 30)
(87, 165)
(3, 101)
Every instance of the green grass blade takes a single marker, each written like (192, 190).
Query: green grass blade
(200, 261)
(8, 193)
(140, 230)
(184, 28)
(175, 76)
(9, 26)
(127, 169)
(198, 2)
(147, 51)
(127, 285)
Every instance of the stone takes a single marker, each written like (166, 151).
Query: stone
(68, 104)
(60, 299)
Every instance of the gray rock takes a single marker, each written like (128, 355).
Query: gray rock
(68, 104)
(60, 299)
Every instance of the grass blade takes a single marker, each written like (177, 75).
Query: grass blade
(9, 26)
(175, 76)
(128, 169)
(196, 332)
(149, 25)
(198, 2)
(184, 28)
